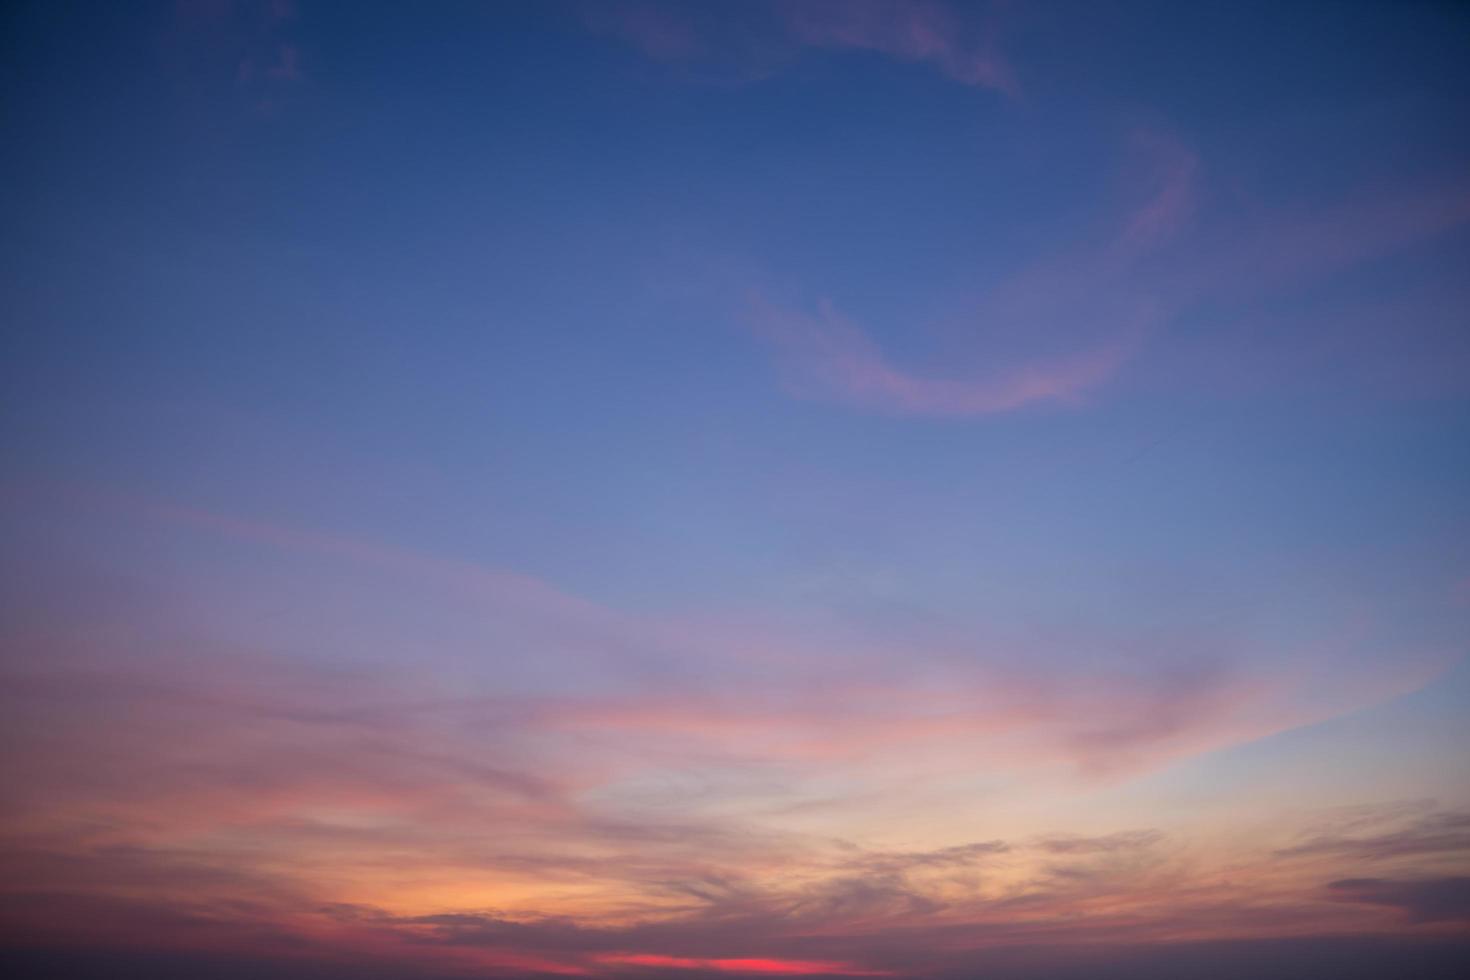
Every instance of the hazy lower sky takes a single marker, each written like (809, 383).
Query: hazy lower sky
(675, 490)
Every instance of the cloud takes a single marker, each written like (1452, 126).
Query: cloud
(1063, 329)
(827, 356)
(889, 862)
(1435, 833)
(1127, 840)
(1261, 272)
(960, 42)
(1282, 249)
(656, 29)
(910, 30)
(253, 42)
(1425, 900)
(1170, 171)
(1053, 334)
(839, 918)
(761, 719)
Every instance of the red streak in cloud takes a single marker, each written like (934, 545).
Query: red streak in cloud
(768, 966)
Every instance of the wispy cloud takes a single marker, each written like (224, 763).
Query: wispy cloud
(1434, 833)
(958, 41)
(762, 694)
(255, 41)
(825, 355)
(659, 30)
(1126, 840)
(1089, 314)
(912, 30)
(1445, 899)
(1080, 305)
(1403, 340)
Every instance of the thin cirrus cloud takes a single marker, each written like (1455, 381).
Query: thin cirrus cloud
(962, 49)
(824, 355)
(922, 31)
(1254, 255)
(1085, 307)
(1402, 340)
(1097, 311)
(254, 42)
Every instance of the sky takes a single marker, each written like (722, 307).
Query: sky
(681, 490)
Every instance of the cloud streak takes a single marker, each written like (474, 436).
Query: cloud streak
(1080, 306)
(1424, 900)
(827, 356)
(921, 31)
(958, 42)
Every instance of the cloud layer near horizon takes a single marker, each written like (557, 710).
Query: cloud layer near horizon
(693, 820)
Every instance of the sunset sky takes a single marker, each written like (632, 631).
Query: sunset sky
(687, 490)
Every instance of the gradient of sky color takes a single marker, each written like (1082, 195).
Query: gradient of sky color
(676, 490)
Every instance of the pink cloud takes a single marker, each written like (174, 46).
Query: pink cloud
(254, 41)
(826, 355)
(789, 710)
(1079, 313)
(1171, 172)
(962, 48)
(1389, 337)
(1275, 251)
(910, 30)
(1061, 330)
